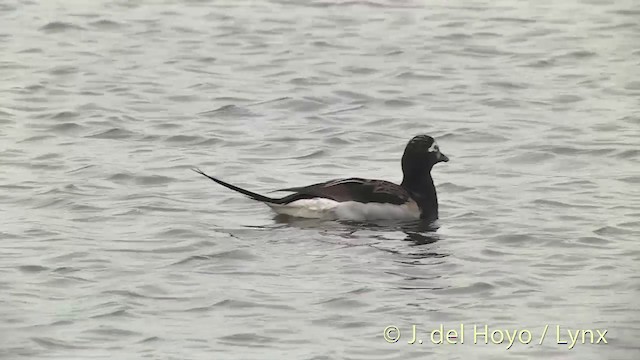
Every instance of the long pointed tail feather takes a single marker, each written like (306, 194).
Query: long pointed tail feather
(248, 193)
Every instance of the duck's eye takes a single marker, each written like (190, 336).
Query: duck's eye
(436, 148)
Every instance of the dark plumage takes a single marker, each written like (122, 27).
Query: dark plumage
(416, 190)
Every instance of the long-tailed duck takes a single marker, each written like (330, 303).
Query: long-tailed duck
(363, 199)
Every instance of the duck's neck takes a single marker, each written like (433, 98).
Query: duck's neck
(420, 186)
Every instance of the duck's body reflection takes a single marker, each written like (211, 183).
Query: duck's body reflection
(417, 233)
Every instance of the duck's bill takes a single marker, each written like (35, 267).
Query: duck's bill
(443, 157)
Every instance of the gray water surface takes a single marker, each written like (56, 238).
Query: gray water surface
(111, 248)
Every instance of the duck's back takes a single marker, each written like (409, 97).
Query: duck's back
(351, 199)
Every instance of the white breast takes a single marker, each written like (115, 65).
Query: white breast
(348, 210)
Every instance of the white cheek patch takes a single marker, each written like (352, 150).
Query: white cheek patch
(433, 147)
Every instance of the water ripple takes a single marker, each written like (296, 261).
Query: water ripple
(112, 248)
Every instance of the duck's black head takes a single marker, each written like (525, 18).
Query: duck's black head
(421, 153)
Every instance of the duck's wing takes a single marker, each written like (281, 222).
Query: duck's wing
(355, 189)
(340, 190)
